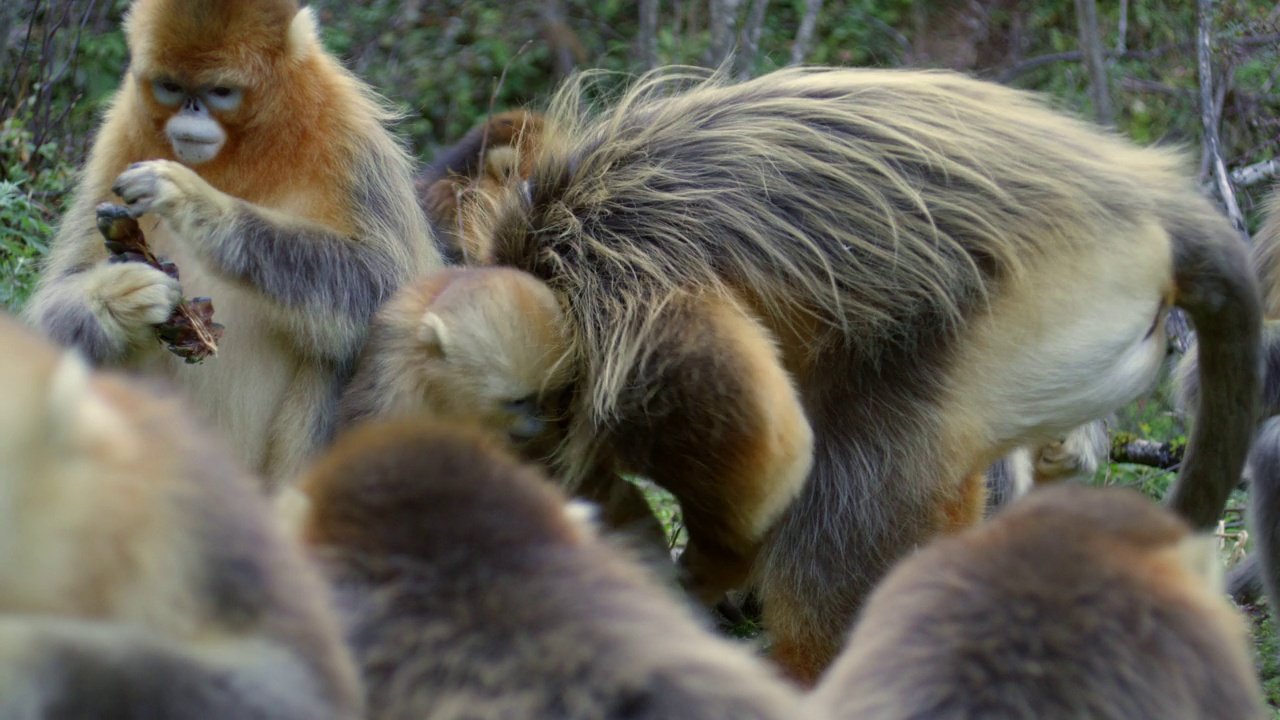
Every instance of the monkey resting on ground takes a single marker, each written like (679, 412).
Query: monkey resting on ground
(472, 591)
(1074, 602)
(272, 183)
(140, 574)
(817, 305)
(468, 174)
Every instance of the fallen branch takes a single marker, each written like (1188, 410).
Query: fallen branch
(1127, 448)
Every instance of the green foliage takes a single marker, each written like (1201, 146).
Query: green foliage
(32, 182)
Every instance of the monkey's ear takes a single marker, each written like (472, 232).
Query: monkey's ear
(304, 34)
(434, 334)
(81, 419)
(1199, 551)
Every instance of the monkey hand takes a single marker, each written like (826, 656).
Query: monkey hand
(1056, 460)
(171, 191)
(129, 298)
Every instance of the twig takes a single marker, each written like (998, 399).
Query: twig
(1010, 73)
(493, 98)
(1209, 115)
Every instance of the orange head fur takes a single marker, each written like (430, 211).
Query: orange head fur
(295, 118)
(482, 345)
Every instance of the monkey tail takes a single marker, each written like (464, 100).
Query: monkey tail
(1264, 508)
(1218, 289)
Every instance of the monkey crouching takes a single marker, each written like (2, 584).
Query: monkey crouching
(140, 573)
(818, 304)
(1074, 602)
(471, 590)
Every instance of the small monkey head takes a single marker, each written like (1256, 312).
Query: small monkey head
(203, 69)
(421, 488)
(66, 433)
(491, 344)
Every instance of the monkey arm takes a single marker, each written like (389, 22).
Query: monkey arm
(69, 668)
(323, 285)
(104, 310)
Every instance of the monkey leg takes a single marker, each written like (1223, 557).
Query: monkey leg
(844, 532)
(716, 420)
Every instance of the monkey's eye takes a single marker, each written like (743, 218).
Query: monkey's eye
(221, 97)
(527, 405)
(167, 92)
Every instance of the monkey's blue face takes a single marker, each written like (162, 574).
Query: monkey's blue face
(194, 131)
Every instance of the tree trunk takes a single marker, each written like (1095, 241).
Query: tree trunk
(648, 45)
(724, 20)
(751, 38)
(1091, 48)
(804, 36)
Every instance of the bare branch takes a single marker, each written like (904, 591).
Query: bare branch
(1209, 115)
(1128, 449)
(1253, 174)
(1010, 73)
(804, 36)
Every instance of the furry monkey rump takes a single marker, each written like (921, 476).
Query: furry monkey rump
(472, 590)
(1073, 602)
(883, 251)
(141, 575)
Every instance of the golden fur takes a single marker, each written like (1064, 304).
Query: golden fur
(472, 591)
(449, 346)
(930, 269)
(298, 229)
(483, 346)
(465, 178)
(140, 574)
(1072, 603)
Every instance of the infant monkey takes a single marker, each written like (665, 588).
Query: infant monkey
(1074, 602)
(472, 590)
(480, 345)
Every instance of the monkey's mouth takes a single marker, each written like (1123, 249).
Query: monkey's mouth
(194, 151)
